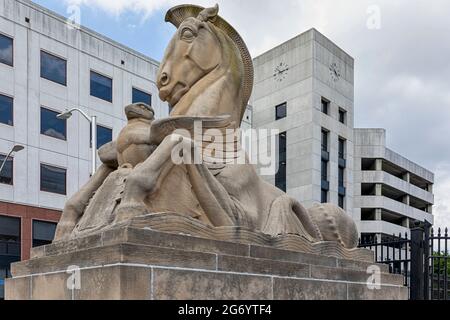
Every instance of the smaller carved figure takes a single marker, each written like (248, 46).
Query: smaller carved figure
(118, 157)
(133, 141)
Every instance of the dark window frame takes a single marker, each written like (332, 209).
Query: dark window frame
(323, 199)
(281, 175)
(342, 153)
(12, 113)
(142, 91)
(342, 113)
(57, 57)
(57, 112)
(104, 76)
(341, 205)
(12, 240)
(341, 177)
(12, 53)
(55, 167)
(12, 169)
(104, 127)
(281, 105)
(324, 170)
(325, 146)
(33, 232)
(325, 106)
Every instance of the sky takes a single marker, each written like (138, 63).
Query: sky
(401, 50)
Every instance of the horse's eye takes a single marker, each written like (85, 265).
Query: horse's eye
(187, 34)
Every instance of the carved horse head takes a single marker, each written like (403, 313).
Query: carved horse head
(206, 70)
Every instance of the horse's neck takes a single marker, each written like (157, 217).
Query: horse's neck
(213, 95)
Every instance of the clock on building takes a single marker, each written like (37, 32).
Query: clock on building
(335, 72)
(281, 71)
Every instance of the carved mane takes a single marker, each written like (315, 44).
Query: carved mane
(227, 89)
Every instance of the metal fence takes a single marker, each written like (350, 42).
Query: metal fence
(422, 259)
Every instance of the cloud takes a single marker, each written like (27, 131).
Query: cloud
(401, 69)
(442, 198)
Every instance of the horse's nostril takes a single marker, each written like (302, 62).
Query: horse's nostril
(164, 79)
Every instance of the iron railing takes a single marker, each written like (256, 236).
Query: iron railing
(422, 258)
(392, 250)
(438, 265)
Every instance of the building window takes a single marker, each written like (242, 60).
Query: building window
(53, 68)
(53, 179)
(6, 110)
(341, 201)
(325, 105)
(341, 148)
(52, 126)
(43, 233)
(324, 166)
(104, 136)
(324, 170)
(101, 86)
(141, 97)
(6, 50)
(325, 140)
(6, 176)
(341, 177)
(280, 177)
(9, 237)
(324, 196)
(342, 116)
(281, 111)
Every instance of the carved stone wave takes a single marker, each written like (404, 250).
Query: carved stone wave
(181, 224)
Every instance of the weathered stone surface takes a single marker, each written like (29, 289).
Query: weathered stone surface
(184, 242)
(285, 255)
(184, 267)
(362, 292)
(84, 258)
(51, 286)
(121, 253)
(194, 285)
(177, 231)
(18, 289)
(360, 265)
(37, 252)
(115, 283)
(263, 266)
(351, 275)
(158, 256)
(300, 289)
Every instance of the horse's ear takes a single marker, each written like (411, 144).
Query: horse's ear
(209, 14)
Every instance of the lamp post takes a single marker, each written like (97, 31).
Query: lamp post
(16, 148)
(93, 121)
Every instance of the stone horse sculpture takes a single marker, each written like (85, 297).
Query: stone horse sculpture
(206, 75)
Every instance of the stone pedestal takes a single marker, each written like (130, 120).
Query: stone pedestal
(129, 262)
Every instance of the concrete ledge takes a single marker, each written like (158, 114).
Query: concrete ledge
(139, 282)
(130, 263)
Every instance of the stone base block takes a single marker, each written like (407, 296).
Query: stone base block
(140, 264)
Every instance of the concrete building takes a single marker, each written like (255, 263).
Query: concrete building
(391, 192)
(47, 66)
(304, 88)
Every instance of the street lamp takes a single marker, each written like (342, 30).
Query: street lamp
(93, 121)
(16, 148)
